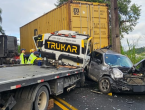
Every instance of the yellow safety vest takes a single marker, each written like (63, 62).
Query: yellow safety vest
(31, 59)
(23, 61)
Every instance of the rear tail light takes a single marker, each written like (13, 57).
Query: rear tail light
(73, 36)
(53, 33)
(66, 35)
(59, 34)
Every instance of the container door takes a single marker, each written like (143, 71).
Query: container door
(92, 19)
(99, 26)
(80, 18)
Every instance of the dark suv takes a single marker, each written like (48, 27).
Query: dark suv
(115, 72)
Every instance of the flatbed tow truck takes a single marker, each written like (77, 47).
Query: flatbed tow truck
(27, 87)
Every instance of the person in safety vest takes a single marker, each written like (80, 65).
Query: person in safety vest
(23, 57)
(33, 57)
(32, 50)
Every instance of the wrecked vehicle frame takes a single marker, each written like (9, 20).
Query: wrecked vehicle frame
(115, 72)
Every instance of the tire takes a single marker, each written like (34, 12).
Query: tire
(104, 85)
(41, 99)
(82, 80)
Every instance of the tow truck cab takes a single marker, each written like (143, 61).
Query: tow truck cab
(115, 72)
(64, 46)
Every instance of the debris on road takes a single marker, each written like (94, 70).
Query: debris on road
(51, 104)
(110, 94)
(111, 100)
(130, 102)
(96, 92)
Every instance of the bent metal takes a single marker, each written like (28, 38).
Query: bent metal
(62, 46)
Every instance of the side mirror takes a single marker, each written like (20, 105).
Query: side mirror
(98, 61)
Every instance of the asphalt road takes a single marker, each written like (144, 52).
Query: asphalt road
(84, 99)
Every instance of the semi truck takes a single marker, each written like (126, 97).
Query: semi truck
(8, 50)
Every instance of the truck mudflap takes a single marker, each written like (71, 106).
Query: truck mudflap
(9, 104)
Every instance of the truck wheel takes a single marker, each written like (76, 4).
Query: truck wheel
(104, 85)
(41, 99)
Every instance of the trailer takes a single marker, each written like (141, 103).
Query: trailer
(28, 87)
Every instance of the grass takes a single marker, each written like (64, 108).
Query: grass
(131, 53)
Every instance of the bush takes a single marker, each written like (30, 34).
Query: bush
(131, 53)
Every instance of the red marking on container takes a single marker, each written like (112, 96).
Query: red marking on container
(76, 72)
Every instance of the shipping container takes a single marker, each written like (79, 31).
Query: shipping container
(84, 17)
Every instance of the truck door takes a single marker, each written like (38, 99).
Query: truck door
(96, 65)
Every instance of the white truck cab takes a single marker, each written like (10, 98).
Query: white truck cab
(67, 46)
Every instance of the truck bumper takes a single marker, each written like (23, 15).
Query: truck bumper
(122, 87)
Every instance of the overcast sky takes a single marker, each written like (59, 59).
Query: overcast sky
(16, 13)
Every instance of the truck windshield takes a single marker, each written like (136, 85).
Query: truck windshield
(118, 61)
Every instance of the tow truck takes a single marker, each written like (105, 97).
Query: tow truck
(28, 87)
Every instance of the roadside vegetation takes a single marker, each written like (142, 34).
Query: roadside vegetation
(133, 52)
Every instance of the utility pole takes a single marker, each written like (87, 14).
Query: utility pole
(115, 26)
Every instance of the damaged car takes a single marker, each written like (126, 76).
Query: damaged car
(115, 72)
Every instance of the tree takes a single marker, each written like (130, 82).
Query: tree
(128, 14)
(1, 30)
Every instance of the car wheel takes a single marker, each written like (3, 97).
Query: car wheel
(104, 85)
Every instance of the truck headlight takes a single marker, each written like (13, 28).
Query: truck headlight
(116, 73)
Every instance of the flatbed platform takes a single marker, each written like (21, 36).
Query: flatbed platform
(20, 76)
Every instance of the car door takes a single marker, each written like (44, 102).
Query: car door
(140, 66)
(96, 65)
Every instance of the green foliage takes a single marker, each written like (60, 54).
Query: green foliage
(132, 53)
(19, 50)
(60, 2)
(140, 50)
(128, 13)
(1, 30)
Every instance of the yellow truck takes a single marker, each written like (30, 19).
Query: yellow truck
(88, 18)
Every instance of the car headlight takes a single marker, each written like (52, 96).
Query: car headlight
(116, 73)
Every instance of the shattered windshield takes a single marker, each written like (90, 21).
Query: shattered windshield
(118, 61)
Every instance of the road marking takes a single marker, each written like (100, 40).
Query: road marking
(65, 103)
(60, 105)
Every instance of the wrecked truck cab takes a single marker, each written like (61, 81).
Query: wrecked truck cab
(115, 72)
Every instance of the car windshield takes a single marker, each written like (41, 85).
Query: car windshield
(118, 60)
